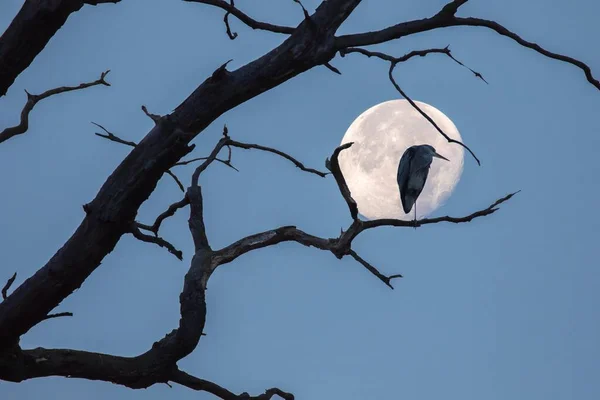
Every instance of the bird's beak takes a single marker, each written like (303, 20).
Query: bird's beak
(440, 156)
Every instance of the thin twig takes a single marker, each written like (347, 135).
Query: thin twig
(135, 231)
(427, 117)
(58, 315)
(154, 117)
(8, 285)
(385, 279)
(252, 23)
(166, 214)
(114, 138)
(297, 163)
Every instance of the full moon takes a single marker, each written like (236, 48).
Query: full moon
(381, 135)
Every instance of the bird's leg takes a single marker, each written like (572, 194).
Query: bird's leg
(415, 220)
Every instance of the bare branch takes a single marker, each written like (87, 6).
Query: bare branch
(408, 56)
(153, 117)
(297, 163)
(332, 68)
(58, 315)
(198, 384)
(176, 179)
(114, 138)
(306, 14)
(232, 35)
(373, 270)
(445, 18)
(340, 246)
(334, 166)
(33, 99)
(425, 221)
(196, 220)
(226, 141)
(135, 231)
(424, 114)
(395, 61)
(8, 285)
(252, 23)
(168, 213)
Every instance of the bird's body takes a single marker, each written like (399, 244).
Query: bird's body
(412, 174)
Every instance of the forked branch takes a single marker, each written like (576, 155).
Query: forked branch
(394, 61)
(114, 138)
(33, 99)
(252, 23)
(226, 141)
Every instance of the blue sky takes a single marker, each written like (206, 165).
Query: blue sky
(503, 307)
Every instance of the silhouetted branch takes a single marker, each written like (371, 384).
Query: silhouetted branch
(203, 385)
(297, 163)
(154, 117)
(33, 99)
(135, 231)
(168, 213)
(445, 18)
(373, 270)
(252, 23)
(332, 68)
(226, 141)
(7, 286)
(342, 245)
(334, 166)
(58, 315)
(408, 56)
(114, 138)
(395, 61)
(306, 14)
(424, 114)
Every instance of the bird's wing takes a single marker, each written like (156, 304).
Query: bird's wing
(403, 177)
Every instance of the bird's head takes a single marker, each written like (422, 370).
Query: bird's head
(433, 153)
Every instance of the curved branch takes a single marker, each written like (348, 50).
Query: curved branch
(33, 99)
(252, 23)
(297, 163)
(445, 18)
(334, 166)
(194, 383)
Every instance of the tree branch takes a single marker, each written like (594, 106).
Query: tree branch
(7, 286)
(252, 23)
(114, 138)
(135, 231)
(334, 166)
(445, 18)
(32, 28)
(373, 270)
(168, 213)
(424, 114)
(297, 163)
(408, 56)
(395, 61)
(226, 141)
(58, 315)
(33, 99)
(198, 384)
(342, 245)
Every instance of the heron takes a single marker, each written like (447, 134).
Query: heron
(412, 174)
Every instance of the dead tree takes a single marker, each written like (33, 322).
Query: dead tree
(112, 213)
